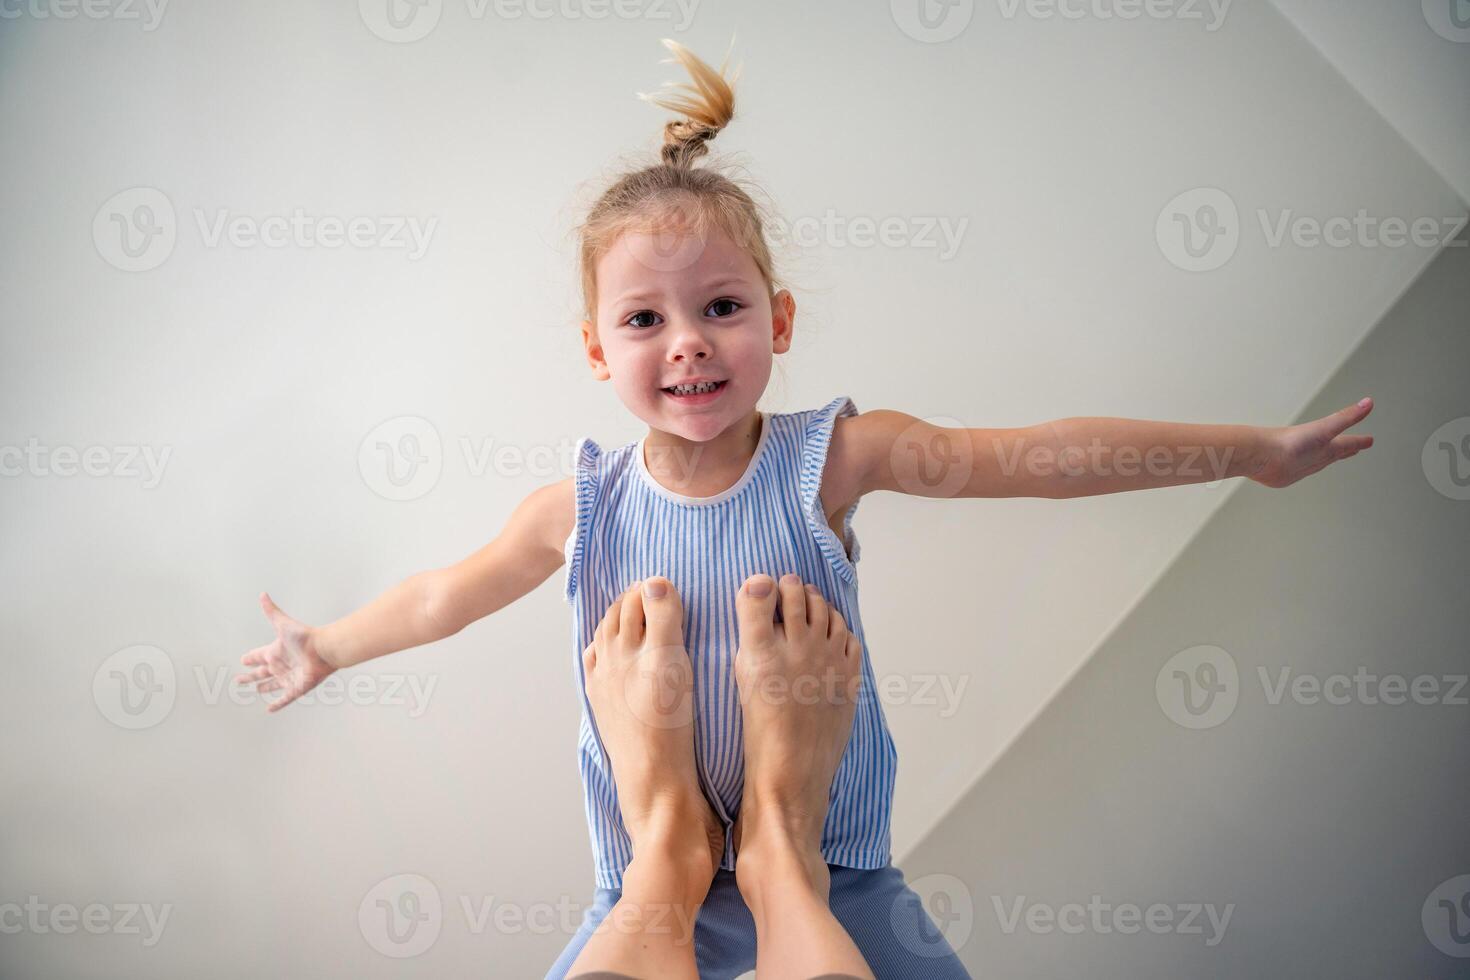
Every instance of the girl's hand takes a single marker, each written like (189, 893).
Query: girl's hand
(289, 664)
(1297, 451)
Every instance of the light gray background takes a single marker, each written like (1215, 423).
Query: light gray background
(261, 371)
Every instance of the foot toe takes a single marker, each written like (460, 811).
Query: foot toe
(630, 620)
(793, 604)
(818, 613)
(611, 620)
(756, 613)
(663, 611)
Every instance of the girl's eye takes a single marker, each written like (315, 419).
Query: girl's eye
(732, 305)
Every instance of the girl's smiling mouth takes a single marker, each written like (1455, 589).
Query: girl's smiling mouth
(697, 392)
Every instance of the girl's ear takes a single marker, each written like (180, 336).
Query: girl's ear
(594, 351)
(783, 321)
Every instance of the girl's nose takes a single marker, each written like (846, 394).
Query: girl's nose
(689, 344)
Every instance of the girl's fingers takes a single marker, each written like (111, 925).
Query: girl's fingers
(1346, 446)
(284, 700)
(272, 611)
(1348, 416)
(255, 675)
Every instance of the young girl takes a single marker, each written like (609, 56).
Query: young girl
(684, 314)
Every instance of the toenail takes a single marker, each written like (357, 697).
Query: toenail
(654, 589)
(760, 588)
(811, 588)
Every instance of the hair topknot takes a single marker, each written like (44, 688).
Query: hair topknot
(673, 195)
(707, 108)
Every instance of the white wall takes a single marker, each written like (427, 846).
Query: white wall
(1309, 803)
(1410, 61)
(262, 370)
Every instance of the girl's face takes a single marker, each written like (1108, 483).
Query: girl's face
(673, 310)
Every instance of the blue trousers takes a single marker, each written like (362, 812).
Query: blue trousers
(885, 918)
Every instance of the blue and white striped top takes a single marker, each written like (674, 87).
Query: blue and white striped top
(629, 527)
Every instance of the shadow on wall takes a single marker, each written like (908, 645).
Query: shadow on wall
(1261, 772)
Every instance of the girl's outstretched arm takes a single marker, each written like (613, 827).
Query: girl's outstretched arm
(424, 607)
(1074, 457)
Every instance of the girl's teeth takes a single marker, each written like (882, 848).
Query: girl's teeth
(695, 389)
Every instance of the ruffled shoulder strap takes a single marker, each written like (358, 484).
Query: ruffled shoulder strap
(587, 480)
(817, 438)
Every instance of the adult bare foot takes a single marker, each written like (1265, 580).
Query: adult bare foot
(640, 685)
(798, 683)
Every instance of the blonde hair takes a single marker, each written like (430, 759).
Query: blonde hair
(674, 193)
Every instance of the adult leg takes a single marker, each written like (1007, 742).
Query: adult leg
(640, 686)
(798, 684)
(895, 932)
